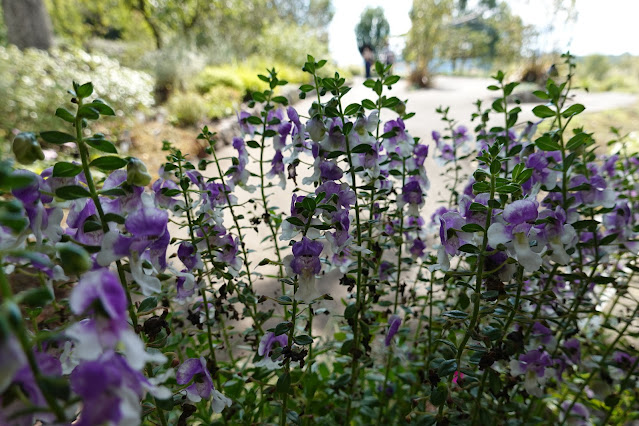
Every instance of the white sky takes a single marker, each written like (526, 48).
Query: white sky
(603, 26)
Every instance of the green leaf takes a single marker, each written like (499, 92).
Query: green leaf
(254, 120)
(109, 162)
(64, 169)
(542, 111)
(541, 94)
(306, 88)
(87, 111)
(303, 339)
(577, 141)
(148, 304)
(546, 144)
(282, 328)
(349, 312)
(472, 227)
(295, 221)
(495, 166)
(91, 225)
(439, 395)
(352, 109)
(72, 192)
(391, 80)
(113, 217)
(65, 115)
(85, 90)
(113, 192)
(284, 383)
(573, 110)
(459, 315)
(280, 100)
(362, 148)
(57, 137)
(102, 108)
(368, 104)
(447, 367)
(98, 142)
(39, 296)
(253, 144)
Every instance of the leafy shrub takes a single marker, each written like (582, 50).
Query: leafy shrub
(222, 102)
(186, 108)
(522, 312)
(21, 72)
(211, 77)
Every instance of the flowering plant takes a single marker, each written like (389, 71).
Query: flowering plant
(126, 301)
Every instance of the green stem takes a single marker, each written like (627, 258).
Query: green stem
(84, 156)
(239, 234)
(479, 277)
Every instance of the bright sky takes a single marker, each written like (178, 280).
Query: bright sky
(607, 27)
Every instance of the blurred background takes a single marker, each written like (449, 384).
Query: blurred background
(169, 67)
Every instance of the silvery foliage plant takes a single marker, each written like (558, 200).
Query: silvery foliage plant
(131, 301)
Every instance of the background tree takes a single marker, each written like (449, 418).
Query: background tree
(28, 23)
(372, 30)
(429, 19)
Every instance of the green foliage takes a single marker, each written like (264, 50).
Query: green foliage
(609, 73)
(30, 85)
(426, 34)
(186, 109)
(446, 31)
(373, 29)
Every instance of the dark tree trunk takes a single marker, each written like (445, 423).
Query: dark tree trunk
(28, 23)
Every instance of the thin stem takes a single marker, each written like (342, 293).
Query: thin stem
(84, 156)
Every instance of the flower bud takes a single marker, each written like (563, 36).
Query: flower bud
(75, 260)
(400, 108)
(136, 173)
(26, 148)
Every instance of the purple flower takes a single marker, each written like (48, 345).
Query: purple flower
(245, 126)
(460, 135)
(578, 415)
(277, 168)
(189, 256)
(623, 360)
(237, 172)
(228, 254)
(195, 368)
(48, 366)
(111, 390)
(306, 253)
(521, 211)
(384, 268)
(412, 193)
(394, 322)
(536, 367)
(542, 333)
(306, 264)
(100, 292)
(517, 230)
(267, 342)
(417, 248)
(573, 350)
(329, 170)
(147, 222)
(162, 200)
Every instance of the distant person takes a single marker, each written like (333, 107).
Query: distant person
(388, 55)
(369, 59)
